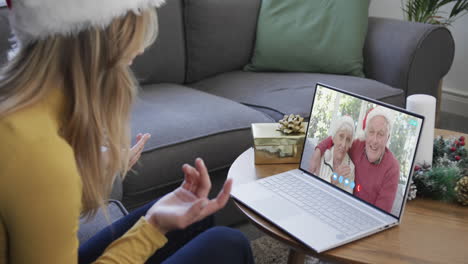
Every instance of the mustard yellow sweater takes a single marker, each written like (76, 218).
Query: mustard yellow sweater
(40, 195)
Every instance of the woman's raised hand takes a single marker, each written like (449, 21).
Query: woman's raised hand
(189, 203)
(135, 151)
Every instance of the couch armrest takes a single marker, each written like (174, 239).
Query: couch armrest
(407, 55)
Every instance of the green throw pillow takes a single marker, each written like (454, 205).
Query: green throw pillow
(322, 36)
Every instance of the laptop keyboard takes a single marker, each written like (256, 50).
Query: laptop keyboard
(319, 203)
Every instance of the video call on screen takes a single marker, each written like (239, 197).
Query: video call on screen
(363, 148)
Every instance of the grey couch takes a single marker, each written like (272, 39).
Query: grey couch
(196, 101)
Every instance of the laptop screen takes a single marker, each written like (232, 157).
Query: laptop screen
(361, 146)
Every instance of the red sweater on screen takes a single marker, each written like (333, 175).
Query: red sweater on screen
(375, 183)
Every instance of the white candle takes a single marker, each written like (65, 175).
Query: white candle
(424, 105)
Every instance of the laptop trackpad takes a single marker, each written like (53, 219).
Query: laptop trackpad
(275, 208)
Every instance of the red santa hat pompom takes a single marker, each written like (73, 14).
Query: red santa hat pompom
(32, 20)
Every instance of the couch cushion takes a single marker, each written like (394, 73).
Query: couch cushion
(311, 36)
(286, 93)
(220, 35)
(185, 124)
(5, 35)
(164, 61)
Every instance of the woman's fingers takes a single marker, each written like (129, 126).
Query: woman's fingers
(188, 178)
(141, 141)
(224, 194)
(197, 179)
(181, 208)
(193, 214)
(131, 163)
(133, 160)
(204, 182)
(137, 149)
(191, 180)
(344, 170)
(220, 201)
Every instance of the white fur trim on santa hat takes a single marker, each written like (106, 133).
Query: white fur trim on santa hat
(37, 19)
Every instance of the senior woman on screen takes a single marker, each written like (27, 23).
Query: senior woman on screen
(335, 166)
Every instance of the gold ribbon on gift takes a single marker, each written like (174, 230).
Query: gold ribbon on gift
(291, 124)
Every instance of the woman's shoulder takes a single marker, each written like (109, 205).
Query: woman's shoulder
(328, 155)
(31, 123)
(30, 137)
(33, 164)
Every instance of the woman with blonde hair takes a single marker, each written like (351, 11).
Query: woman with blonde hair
(65, 93)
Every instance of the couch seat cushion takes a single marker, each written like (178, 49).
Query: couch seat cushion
(185, 124)
(284, 93)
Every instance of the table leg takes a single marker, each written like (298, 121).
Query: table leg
(296, 257)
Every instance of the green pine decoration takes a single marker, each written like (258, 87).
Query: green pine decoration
(443, 181)
(439, 148)
(438, 183)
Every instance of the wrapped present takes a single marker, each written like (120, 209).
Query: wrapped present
(273, 146)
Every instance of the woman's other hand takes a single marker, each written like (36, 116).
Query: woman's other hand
(135, 151)
(189, 203)
(343, 170)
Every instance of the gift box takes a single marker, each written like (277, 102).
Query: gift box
(273, 146)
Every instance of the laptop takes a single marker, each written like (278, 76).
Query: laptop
(324, 209)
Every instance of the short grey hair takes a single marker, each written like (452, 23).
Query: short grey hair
(386, 113)
(345, 123)
(389, 127)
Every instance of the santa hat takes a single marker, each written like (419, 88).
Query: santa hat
(378, 111)
(38, 19)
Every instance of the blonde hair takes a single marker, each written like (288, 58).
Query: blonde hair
(92, 70)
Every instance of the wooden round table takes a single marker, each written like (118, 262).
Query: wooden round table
(430, 231)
